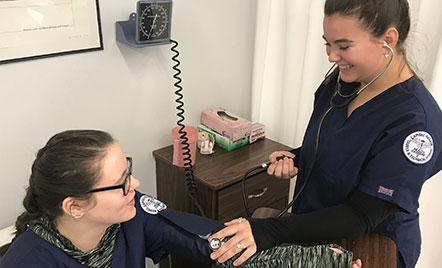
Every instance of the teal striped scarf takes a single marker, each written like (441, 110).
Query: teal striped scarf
(100, 257)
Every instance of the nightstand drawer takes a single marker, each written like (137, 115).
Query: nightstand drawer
(261, 190)
(218, 177)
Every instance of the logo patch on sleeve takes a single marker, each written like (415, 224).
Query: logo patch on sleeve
(385, 191)
(151, 205)
(418, 147)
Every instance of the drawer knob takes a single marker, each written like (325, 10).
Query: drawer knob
(263, 191)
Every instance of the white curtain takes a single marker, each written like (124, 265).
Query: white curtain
(290, 62)
(431, 198)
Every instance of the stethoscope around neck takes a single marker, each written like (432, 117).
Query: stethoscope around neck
(354, 94)
(348, 98)
(333, 104)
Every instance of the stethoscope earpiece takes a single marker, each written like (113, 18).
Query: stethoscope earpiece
(357, 92)
(389, 47)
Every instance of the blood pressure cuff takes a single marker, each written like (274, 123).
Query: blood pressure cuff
(168, 231)
(295, 256)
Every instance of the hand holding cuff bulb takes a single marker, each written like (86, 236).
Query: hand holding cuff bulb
(283, 168)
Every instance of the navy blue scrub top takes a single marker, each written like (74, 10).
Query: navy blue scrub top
(146, 235)
(386, 148)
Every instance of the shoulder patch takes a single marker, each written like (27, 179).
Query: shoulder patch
(151, 205)
(418, 147)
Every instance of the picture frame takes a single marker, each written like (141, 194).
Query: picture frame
(32, 29)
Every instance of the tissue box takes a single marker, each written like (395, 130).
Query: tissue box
(222, 141)
(257, 132)
(227, 124)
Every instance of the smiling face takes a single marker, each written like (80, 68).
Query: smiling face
(110, 207)
(359, 55)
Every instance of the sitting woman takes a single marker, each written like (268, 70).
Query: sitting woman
(82, 210)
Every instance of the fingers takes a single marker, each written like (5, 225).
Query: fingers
(357, 264)
(242, 239)
(337, 250)
(228, 231)
(283, 168)
(274, 155)
(288, 168)
(234, 221)
(271, 169)
(234, 246)
(245, 255)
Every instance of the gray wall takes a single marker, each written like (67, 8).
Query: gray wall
(126, 91)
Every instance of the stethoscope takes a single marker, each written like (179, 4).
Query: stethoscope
(355, 93)
(333, 104)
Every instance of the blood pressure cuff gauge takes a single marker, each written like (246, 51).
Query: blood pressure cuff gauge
(293, 256)
(183, 234)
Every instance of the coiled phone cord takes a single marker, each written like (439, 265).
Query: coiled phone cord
(190, 179)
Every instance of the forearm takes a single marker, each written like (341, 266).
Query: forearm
(359, 215)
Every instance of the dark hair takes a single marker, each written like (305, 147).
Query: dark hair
(68, 165)
(376, 16)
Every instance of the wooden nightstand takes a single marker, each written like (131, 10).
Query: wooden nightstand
(218, 178)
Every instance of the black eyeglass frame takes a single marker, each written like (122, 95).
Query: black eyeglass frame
(123, 185)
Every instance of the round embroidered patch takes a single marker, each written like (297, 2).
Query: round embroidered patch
(151, 205)
(418, 147)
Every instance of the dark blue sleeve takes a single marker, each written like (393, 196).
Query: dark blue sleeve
(184, 244)
(177, 233)
(390, 172)
(154, 229)
(163, 237)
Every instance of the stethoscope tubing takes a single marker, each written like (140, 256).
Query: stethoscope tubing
(318, 133)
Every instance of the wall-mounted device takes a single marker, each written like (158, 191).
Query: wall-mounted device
(149, 26)
(153, 23)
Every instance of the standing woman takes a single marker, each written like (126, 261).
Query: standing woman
(82, 210)
(372, 141)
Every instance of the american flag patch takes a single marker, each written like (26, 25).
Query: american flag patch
(386, 191)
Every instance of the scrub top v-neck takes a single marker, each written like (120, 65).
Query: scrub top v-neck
(386, 148)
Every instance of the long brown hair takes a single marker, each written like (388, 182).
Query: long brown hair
(376, 16)
(68, 165)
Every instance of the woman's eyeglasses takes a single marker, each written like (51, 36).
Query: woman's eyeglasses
(125, 186)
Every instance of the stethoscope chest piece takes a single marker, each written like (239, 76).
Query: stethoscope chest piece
(215, 243)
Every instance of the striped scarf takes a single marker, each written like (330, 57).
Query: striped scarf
(295, 256)
(100, 257)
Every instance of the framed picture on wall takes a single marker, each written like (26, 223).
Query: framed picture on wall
(31, 29)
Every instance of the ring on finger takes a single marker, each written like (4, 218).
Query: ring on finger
(240, 246)
(240, 219)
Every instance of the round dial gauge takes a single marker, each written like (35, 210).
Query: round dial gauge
(154, 21)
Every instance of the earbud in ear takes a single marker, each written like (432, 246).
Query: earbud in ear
(385, 44)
